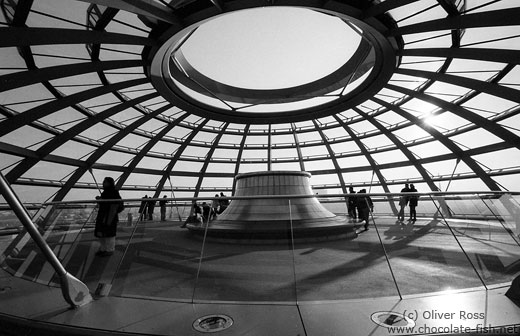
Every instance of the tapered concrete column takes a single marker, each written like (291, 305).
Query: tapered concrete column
(273, 216)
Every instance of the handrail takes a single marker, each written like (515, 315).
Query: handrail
(117, 272)
(201, 198)
(74, 291)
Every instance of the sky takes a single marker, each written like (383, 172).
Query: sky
(270, 48)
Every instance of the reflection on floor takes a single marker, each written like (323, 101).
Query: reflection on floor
(164, 263)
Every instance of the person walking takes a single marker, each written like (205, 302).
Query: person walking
(107, 218)
(403, 202)
(364, 206)
(414, 200)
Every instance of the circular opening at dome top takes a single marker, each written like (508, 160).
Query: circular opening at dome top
(283, 63)
(270, 47)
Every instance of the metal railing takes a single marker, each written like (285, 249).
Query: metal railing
(464, 240)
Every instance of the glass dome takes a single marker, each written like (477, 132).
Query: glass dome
(431, 99)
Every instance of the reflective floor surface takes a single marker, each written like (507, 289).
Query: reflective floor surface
(163, 279)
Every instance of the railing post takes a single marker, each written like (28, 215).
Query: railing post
(74, 291)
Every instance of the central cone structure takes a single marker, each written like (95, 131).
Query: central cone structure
(274, 217)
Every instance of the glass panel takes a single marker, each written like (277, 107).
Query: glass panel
(345, 264)
(254, 264)
(424, 255)
(80, 259)
(23, 257)
(458, 242)
(60, 226)
(489, 240)
(10, 227)
(162, 259)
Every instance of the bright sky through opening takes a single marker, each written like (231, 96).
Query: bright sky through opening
(271, 48)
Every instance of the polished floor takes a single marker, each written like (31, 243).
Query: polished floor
(164, 265)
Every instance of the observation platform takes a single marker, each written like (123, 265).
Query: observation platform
(436, 275)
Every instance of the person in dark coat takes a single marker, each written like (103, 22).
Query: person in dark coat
(403, 202)
(413, 204)
(142, 208)
(352, 204)
(364, 206)
(206, 211)
(162, 205)
(223, 203)
(107, 218)
(150, 206)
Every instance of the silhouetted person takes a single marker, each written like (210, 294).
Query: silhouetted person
(142, 208)
(197, 211)
(206, 210)
(223, 203)
(214, 207)
(162, 205)
(364, 206)
(352, 204)
(150, 206)
(107, 218)
(413, 204)
(403, 201)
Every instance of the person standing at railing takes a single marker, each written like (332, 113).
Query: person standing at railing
(403, 202)
(364, 207)
(413, 204)
(162, 205)
(150, 206)
(107, 218)
(142, 208)
(351, 205)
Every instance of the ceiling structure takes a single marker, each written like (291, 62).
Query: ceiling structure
(405, 91)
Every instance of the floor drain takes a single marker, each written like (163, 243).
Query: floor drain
(212, 323)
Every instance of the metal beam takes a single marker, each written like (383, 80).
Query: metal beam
(69, 134)
(409, 155)
(147, 8)
(177, 155)
(489, 125)
(202, 173)
(298, 148)
(479, 54)
(46, 109)
(24, 78)
(239, 156)
(385, 6)
(455, 149)
(332, 156)
(473, 84)
(135, 161)
(373, 164)
(92, 159)
(497, 18)
(23, 36)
